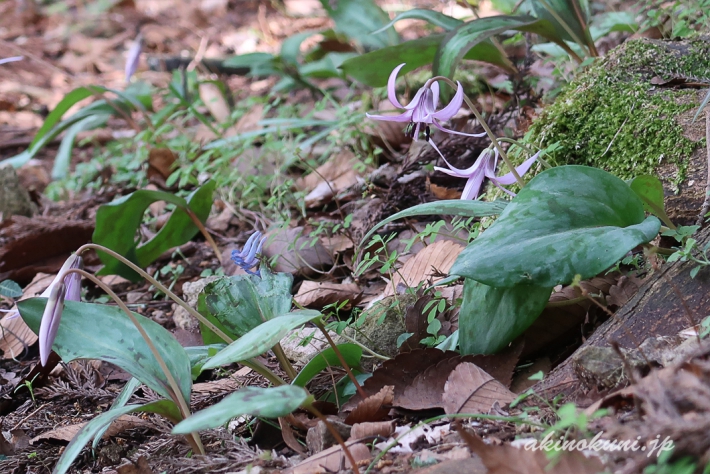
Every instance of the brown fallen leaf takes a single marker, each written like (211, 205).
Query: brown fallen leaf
(372, 428)
(141, 466)
(334, 176)
(439, 256)
(214, 100)
(332, 459)
(508, 459)
(289, 436)
(373, 408)
(419, 376)
(15, 335)
(471, 390)
(456, 466)
(248, 122)
(313, 294)
(66, 433)
(160, 165)
(217, 386)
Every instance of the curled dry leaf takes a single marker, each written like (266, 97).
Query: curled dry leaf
(471, 390)
(160, 165)
(329, 179)
(373, 408)
(439, 256)
(419, 376)
(331, 460)
(372, 428)
(508, 459)
(313, 294)
(66, 433)
(289, 436)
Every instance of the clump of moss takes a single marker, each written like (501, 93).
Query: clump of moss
(613, 117)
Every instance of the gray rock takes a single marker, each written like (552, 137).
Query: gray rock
(14, 198)
(190, 293)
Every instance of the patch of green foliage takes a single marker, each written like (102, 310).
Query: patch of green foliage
(612, 117)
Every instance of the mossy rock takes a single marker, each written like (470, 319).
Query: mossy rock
(631, 114)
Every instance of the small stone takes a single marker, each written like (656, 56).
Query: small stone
(14, 198)
(319, 438)
(190, 293)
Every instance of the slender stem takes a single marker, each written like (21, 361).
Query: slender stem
(340, 357)
(309, 406)
(660, 250)
(204, 232)
(364, 347)
(485, 126)
(283, 361)
(174, 388)
(251, 363)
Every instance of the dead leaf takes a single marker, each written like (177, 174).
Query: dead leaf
(139, 467)
(214, 100)
(217, 386)
(160, 165)
(332, 459)
(15, 335)
(373, 408)
(439, 256)
(507, 459)
(329, 179)
(248, 122)
(471, 390)
(456, 466)
(441, 192)
(67, 433)
(419, 376)
(313, 294)
(372, 428)
(295, 253)
(289, 436)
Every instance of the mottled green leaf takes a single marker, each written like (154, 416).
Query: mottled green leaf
(568, 220)
(352, 353)
(491, 318)
(264, 402)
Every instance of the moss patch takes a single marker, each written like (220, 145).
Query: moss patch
(620, 114)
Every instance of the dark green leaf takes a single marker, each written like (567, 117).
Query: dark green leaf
(650, 190)
(453, 207)
(373, 69)
(97, 331)
(99, 424)
(119, 402)
(242, 302)
(456, 44)
(357, 19)
(352, 353)
(491, 318)
(568, 220)
(261, 338)
(567, 17)
(291, 46)
(198, 355)
(264, 402)
(117, 224)
(435, 18)
(10, 289)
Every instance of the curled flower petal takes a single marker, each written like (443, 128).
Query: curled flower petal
(12, 59)
(246, 259)
(438, 125)
(133, 58)
(522, 169)
(391, 87)
(450, 110)
(405, 117)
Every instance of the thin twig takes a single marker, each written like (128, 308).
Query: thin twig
(340, 357)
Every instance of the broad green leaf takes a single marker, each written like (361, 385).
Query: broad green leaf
(604, 23)
(568, 17)
(242, 302)
(119, 402)
(453, 207)
(457, 43)
(118, 222)
(568, 220)
(99, 424)
(435, 18)
(98, 331)
(261, 338)
(291, 46)
(352, 353)
(63, 158)
(374, 68)
(650, 190)
(198, 355)
(10, 289)
(357, 19)
(255, 401)
(491, 318)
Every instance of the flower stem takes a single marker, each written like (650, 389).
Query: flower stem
(174, 388)
(485, 126)
(340, 357)
(251, 363)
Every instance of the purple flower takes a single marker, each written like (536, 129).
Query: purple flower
(246, 259)
(9, 60)
(485, 167)
(134, 54)
(422, 110)
(68, 288)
